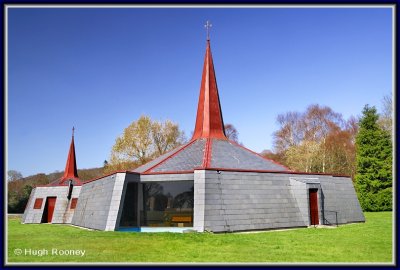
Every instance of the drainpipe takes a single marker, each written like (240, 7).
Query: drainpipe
(70, 187)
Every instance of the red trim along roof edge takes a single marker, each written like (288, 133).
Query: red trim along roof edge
(267, 171)
(168, 172)
(106, 175)
(207, 153)
(208, 169)
(242, 170)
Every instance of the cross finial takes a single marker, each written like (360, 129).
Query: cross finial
(208, 25)
(73, 130)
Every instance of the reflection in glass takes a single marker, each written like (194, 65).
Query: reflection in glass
(168, 204)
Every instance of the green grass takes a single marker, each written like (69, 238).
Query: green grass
(361, 242)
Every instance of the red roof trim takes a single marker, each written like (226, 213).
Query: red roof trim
(169, 172)
(243, 170)
(51, 186)
(207, 153)
(106, 175)
(267, 171)
(277, 163)
(170, 156)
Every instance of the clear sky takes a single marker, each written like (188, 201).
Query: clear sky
(100, 69)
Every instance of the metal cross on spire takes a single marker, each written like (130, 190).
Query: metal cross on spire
(208, 25)
(73, 130)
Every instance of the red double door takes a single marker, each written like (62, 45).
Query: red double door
(313, 195)
(49, 209)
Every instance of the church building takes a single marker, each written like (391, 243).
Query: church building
(208, 184)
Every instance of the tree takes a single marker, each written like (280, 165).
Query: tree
(374, 163)
(135, 142)
(385, 119)
(231, 133)
(13, 175)
(143, 140)
(166, 136)
(278, 156)
(318, 140)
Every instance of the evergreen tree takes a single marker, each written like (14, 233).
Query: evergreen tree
(374, 163)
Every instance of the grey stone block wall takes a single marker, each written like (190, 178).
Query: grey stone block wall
(337, 199)
(199, 200)
(300, 193)
(29, 212)
(62, 212)
(99, 203)
(223, 201)
(235, 201)
(238, 201)
(340, 196)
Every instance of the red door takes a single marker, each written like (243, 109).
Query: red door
(314, 206)
(49, 209)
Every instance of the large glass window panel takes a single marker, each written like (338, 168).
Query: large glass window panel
(167, 204)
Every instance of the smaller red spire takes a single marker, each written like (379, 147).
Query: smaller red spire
(71, 171)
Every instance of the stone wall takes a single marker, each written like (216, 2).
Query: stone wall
(340, 196)
(240, 201)
(62, 212)
(99, 203)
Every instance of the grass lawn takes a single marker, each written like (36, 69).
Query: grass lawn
(362, 242)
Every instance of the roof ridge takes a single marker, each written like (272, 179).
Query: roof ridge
(207, 153)
(168, 157)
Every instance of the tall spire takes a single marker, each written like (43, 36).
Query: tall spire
(209, 121)
(71, 170)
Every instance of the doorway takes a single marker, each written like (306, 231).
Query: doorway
(49, 209)
(313, 195)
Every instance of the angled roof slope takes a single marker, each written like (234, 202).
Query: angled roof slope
(209, 146)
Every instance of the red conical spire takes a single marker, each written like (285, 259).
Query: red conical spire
(209, 121)
(71, 170)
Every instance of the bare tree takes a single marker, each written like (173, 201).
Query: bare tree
(13, 175)
(231, 133)
(385, 119)
(318, 140)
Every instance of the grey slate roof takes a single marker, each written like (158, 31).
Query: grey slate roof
(224, 154)
(189, 158)
(154, 162)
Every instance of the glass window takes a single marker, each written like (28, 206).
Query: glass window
(167, 204)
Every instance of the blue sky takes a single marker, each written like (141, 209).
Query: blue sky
(100, 69)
